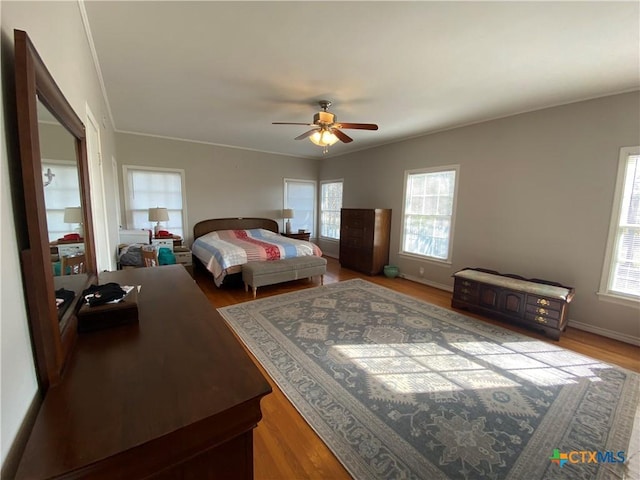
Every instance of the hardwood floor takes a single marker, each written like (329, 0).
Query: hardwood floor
(286, 447)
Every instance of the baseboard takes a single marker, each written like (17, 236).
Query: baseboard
(439, 286)
(14, 455)
(604, 332)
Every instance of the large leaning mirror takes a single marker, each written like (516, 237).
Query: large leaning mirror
(58, 213)
(63, 205)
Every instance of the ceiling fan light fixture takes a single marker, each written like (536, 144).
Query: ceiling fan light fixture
(327, 131)
(323, 138)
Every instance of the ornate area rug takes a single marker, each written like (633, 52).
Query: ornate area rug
(401, 389)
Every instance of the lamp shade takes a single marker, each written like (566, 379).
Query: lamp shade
(323, 138)
(73, 215)
(158, 214)
(287, 213)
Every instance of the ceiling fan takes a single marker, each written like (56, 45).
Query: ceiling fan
(327, 130)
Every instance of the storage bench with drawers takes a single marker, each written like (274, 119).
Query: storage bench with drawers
(530, 302)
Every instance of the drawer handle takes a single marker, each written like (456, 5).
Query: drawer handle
(541, 319)
(466, 290)
(542, 301)
(542, 311)
(466, 284)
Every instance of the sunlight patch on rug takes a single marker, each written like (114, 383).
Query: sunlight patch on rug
(401, 389)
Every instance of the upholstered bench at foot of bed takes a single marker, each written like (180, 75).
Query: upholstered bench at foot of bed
(259, 274)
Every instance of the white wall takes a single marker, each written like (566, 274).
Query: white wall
(18, 382)
(535, 197)
(56, 30)
(220, 181)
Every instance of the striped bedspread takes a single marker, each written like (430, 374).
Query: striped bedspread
(219, 251)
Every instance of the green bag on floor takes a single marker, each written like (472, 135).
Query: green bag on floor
(166, 256)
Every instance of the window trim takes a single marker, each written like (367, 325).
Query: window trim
(323, 182)
(454, 208)
(127, 190)
(605, 293)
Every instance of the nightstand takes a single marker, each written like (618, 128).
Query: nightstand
(183, 257)
(163, 243)
(176, 239)
(298, 236)
(66, 248)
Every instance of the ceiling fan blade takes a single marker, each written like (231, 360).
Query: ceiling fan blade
(291, 123)
(306, 134)
(358, 126)
(343, 137)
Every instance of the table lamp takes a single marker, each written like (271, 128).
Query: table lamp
(74, 215)
(288, 214)
(158, 215)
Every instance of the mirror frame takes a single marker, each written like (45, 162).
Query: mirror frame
(34, 83)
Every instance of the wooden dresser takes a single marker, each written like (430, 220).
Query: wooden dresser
(174, 396)
(538, 304)
(364, 239)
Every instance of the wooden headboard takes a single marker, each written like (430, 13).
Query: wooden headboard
(214, 224)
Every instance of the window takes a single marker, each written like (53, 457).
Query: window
(330, 205)
(62, 190)
(154, 187)
(429, 212)
(300, 195)
(621, 272)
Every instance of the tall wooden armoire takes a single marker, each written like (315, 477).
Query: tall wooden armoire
(364, 239)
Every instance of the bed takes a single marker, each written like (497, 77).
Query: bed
(223, 245)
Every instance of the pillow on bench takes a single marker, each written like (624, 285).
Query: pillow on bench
(536, 287)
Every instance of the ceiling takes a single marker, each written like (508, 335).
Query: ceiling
(221, 72)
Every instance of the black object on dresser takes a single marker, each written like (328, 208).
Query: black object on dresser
(364, 239)
(534, 303)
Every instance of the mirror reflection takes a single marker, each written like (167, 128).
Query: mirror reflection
(63, 204)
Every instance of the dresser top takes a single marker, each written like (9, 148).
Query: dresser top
(175, 380)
